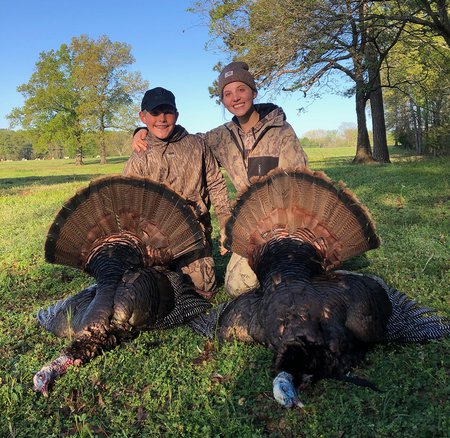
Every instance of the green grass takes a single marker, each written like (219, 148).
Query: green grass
(159, 385)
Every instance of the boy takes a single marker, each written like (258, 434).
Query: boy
(184, 163)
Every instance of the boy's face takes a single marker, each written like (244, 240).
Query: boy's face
(160, 121)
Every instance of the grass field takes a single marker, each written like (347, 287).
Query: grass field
(166, 383)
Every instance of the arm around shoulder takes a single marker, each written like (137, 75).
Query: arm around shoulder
(139, 144)
(217, 187)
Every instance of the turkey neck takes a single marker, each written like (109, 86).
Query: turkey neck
(107, 263)
(111, 260)
(286, 258)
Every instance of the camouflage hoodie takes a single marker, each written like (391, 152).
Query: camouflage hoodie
(186, 165)
(270, 143)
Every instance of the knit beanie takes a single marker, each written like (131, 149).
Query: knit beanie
(236, 72)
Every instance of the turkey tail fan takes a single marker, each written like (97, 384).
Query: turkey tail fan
(155, 218)
(304, 204)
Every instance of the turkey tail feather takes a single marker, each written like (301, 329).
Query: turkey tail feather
(160, 220)
(306, 203)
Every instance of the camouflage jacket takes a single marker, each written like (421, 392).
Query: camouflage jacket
(187, 166)
(271, 143)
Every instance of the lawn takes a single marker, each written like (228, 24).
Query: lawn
(173, 383)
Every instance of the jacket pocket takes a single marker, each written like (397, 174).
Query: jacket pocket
(260, 166)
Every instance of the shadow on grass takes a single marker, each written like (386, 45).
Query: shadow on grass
(114, 160)
(11, 183)
(221, 262)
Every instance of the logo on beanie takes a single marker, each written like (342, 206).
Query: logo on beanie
(228, 74)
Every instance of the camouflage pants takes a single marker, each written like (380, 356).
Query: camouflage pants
(202, 274)
(201, 269)
(239, 277)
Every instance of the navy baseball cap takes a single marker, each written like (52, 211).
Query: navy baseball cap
(156, 97)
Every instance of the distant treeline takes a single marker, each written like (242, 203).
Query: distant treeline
(346, 135)
(18, 145)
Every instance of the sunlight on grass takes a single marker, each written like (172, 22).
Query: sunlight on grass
(161, 385)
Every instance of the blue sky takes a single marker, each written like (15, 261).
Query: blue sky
(167, 42)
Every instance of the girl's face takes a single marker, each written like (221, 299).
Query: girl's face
(237, 98)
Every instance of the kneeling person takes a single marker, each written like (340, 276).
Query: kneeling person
(183, 162)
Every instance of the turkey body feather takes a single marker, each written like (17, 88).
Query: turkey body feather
(125, 232)
(317, 324)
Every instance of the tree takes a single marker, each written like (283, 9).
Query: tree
(80, 88)
(14, 145)
(418, 100)
(298, 45)
(429, 15)
(51, 102)
(105, 83)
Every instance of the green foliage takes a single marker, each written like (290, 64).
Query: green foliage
(100, 70)
(18, 145)
(80, 88)
(304, 46)
(345, 136)
(174, 383)
(418, 102)
(438, 141)
(15, 145)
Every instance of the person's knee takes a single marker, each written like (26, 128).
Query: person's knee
(239, 277)
(202, 274)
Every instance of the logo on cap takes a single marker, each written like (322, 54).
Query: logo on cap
(228, 73)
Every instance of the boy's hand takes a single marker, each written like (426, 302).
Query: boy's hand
(139, 144)
(223, 250)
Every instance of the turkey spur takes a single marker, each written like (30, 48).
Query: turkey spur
(295, 228)
(125, 232)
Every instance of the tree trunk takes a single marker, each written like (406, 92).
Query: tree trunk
(102, 150)
(414, 114)
(102, 144)
(363, 150)
(380, 148)
(79, 156)
(79, 146)
(419, 130)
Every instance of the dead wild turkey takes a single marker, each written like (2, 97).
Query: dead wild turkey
(124, 231)
(295, 228)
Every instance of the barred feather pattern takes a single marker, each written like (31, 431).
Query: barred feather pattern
(61, 317)
(205, 324)
(64, 317)
(161, 221)
(409, 321)
(188, 303)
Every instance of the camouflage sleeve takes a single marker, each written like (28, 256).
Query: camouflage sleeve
(292, 154)
(135, 165)
(217, 188)
(213, 141)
